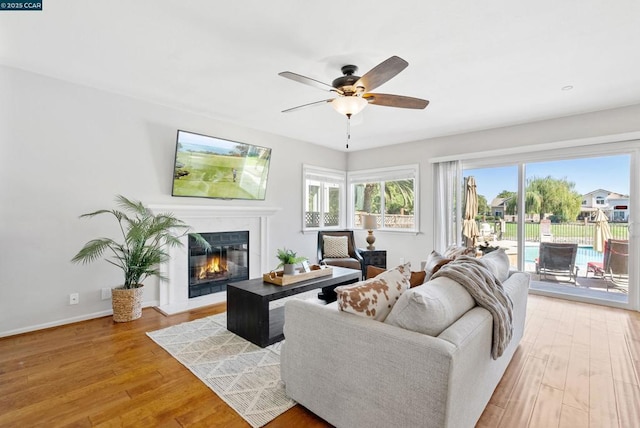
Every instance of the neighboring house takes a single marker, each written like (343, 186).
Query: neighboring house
(614, 205)
(499, 209)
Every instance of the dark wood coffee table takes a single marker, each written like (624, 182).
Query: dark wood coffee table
(248, 313)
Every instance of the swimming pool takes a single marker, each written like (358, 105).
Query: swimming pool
(584, 255)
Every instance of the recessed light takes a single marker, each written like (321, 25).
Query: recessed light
(567, 88)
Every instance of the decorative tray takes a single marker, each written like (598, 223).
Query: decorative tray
(279, 278)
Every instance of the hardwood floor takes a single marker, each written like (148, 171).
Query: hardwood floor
(578, 366)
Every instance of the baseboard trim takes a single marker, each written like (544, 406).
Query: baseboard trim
(65, 321)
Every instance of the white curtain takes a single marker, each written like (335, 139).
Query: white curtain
(448, 176)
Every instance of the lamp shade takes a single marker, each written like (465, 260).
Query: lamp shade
(349, 105)
(370, 222)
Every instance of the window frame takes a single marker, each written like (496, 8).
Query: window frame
(382, 175)
(324, 176)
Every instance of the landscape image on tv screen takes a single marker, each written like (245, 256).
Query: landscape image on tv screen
(210, 167)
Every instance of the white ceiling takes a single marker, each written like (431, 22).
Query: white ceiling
(482, 64)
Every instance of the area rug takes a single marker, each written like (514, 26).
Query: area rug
(242, 374)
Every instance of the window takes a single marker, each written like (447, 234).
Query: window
(599, 200)
(388, 193)
(323, 198)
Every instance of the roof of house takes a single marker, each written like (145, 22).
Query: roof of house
(498, 202)
(610, 194)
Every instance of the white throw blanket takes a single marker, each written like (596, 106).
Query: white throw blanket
(488, 293)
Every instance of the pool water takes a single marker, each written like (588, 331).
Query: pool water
(585, 255)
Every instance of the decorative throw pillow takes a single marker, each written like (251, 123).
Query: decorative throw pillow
(416, 278)
(434, 263)
(455, 251)
(335, 247)
(375, 297)
(498, 263)
(432, 307)
(373, 271)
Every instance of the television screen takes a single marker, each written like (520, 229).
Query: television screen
(209, 167)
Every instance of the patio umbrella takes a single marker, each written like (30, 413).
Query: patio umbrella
(602, 231)
(469, 225)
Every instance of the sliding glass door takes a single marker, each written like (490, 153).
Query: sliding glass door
(565, 221)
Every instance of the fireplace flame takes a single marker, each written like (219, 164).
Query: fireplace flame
(212, 267)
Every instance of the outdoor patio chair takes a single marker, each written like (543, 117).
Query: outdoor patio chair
(486, 232)
(598, 268)
(557, 259)
(617, 267)
(545, 230)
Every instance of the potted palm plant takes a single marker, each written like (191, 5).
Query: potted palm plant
(145, 239)
(288, 259)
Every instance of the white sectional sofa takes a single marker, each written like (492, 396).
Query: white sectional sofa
(357, 372)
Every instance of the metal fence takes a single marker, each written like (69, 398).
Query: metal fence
(579, 233)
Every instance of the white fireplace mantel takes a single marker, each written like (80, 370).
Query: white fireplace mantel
(174, 294)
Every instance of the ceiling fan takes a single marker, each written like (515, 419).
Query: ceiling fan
(354, 91)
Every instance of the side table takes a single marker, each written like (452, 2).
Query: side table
(377, 258)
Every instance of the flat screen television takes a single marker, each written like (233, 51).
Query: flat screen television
(210, 167)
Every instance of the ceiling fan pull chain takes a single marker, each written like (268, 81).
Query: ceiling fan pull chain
(348, 129)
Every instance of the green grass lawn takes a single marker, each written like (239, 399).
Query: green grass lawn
(211, 176)
(565, 231)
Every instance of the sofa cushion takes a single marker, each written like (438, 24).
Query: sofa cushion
(498, 263)
(431, 307)
(374, 297)
(335, 246)
(434, 263)
(416, 278)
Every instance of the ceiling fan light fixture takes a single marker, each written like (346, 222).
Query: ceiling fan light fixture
(349, 105)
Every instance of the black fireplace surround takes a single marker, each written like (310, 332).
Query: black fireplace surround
(227, 261)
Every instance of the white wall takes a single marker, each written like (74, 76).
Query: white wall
(415, 248)
(67, 150)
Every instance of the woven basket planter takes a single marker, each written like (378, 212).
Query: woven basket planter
(127, 304)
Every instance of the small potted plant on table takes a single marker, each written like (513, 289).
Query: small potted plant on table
(288, 260)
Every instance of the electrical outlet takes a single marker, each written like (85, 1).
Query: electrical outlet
(106, 293)
(74, 298)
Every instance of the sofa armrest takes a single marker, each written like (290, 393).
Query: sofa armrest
(357, 372)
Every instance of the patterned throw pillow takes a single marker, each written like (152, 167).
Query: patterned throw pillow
(454, 251)
(416, 278)
(375, 297)
(434, 263)
(335, 247)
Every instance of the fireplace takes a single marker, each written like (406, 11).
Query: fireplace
(173, 295)
(227, 261)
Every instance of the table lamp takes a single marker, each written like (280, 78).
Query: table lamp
(370, 223)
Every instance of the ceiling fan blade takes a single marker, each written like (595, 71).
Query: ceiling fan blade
(382, 73)
(307, 81)
(396, 101)
(317, 103)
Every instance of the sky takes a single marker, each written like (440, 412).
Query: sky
(604, 172)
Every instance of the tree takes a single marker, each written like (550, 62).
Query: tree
(398, 195)
(506, 194)
(483, 206)
(555, 196)
(548, 195)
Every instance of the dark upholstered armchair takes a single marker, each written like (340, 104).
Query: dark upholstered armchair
(350, 259)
